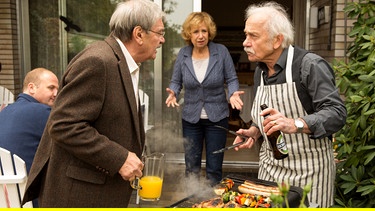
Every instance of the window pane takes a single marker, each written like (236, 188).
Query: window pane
(87, 25)
(176, 12)
(44, 34)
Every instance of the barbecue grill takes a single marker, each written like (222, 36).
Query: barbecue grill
(294, 195)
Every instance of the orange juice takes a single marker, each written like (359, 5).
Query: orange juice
(151, 187)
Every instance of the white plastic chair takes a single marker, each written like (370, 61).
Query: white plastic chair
(12, 183)
(6, 97)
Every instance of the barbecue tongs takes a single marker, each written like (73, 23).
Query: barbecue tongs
(244, 139)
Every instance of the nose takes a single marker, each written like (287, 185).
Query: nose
(246, 42)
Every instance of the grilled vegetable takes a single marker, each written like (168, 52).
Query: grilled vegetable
(224, 186)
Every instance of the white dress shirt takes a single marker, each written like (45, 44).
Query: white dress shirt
(133, 68)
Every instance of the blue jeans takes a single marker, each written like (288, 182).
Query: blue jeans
(204, 133)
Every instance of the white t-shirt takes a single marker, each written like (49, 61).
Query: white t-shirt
(200, 69)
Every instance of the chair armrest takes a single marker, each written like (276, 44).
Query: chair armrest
(12, 179)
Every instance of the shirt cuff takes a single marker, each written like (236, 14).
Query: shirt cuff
(316, 127)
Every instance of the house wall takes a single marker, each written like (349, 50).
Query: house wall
(9, 59)
(330, 39)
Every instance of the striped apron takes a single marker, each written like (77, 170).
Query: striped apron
(309, 159)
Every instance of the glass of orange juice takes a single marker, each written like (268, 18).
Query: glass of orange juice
(150, 184)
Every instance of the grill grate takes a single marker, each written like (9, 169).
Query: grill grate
(294, 195)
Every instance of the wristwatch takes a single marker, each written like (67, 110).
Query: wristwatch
(299, 125)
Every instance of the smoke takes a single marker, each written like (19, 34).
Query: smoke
(169, 142)
(186, 186)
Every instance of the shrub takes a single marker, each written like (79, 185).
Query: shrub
(355, 143)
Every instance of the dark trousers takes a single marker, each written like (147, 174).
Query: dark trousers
(196, 137)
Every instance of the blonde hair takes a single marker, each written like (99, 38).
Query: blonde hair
(193, 20)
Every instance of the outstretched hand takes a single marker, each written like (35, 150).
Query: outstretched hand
(235, 100)
(171, 100)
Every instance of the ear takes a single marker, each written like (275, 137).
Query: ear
(277, 41)
(138, 34)
(31, 88)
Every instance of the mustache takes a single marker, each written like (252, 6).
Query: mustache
(249, 50)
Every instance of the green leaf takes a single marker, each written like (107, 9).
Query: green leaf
(353, 161)
(349, 8)
(356, 98)
(348, 178)
(370, 61)
(354, 173)
(363, 148)
(348, 187)
(355, 31)
(367, 78)
(347, 148)
(369, 112)
(363, 122)
(340, 202)
(372, 73)
(369, 157)
(366, 189)
(367, 37)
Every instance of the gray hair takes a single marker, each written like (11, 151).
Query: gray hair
(132, 13)
(278, 21)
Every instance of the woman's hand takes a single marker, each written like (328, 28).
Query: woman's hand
(235, 100)
(171, 100)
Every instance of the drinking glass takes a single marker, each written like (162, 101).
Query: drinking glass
(150, 185)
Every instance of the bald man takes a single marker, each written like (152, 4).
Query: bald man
(22, 123)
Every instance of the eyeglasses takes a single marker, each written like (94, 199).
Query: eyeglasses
(162, 33)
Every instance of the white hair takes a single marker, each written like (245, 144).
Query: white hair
(278, 21)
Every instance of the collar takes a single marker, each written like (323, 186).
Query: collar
(133, 66)
(27, 97)
(281, 62)
(279, 66)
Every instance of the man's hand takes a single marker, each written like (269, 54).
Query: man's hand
(277, 121)
(132, 167)
(252, 132)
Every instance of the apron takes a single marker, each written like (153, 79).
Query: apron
(309, 159)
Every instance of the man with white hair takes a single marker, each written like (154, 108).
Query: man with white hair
(303, 103)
